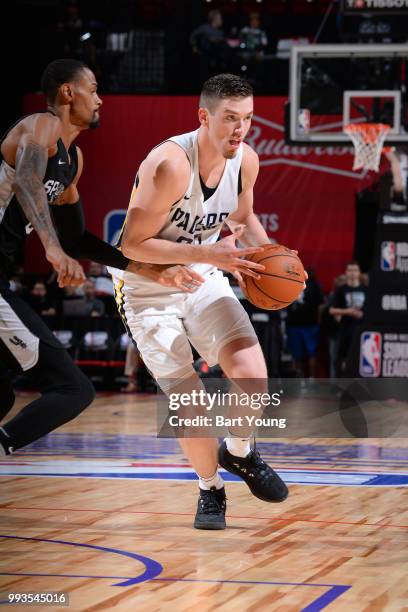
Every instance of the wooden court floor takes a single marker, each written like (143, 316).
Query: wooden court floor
(102, 510)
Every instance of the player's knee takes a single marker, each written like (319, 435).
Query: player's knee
(87, 392)
(248, 370)
(7, 398)
(84, 392)
(77, 393)
(243, 358)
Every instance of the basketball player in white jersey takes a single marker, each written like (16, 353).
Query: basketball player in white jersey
(185, 190)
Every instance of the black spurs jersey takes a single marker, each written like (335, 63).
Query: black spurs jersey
(14, 225)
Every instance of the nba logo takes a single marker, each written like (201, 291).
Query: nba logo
(112, 225)
(304, 120)
(387, 256)
(370, 354)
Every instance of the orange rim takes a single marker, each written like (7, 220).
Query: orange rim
(369, 131)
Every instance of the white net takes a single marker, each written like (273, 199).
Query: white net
(368, 140)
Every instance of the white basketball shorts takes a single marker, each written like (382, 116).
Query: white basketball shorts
(163, 326)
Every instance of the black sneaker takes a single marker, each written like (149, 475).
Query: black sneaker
(263, 482)
(211, 509)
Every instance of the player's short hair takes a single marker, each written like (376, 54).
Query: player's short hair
(353, 262)
(58, 72)
(222, 86)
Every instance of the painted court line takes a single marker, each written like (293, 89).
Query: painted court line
(103, 469)
(334, 592)
(152, 567)
(231, 516)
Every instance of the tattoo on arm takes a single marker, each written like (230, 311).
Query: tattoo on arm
(31, 164)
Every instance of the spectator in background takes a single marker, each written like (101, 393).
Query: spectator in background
(70, 28)
(347, 307)
(93, 306)
(85, 305)
(75, 36)
(253, 42)
(72, 301)
(302, 327)
(40, 301)
(251, 37)
(103, 281)
(209, 42)
(330, 326)
(364, 279)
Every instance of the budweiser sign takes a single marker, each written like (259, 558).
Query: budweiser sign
(266, 137)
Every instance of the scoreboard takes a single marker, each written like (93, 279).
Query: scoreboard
(383, 7)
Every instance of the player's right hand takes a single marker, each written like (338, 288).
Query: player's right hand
(70, 272)
(225, 255)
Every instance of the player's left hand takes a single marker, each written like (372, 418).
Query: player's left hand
(182, 277)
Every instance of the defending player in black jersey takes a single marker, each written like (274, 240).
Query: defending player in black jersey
(39, 172)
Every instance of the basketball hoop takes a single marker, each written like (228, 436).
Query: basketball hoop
(368, 139)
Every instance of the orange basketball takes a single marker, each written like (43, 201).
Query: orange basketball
(281, 282)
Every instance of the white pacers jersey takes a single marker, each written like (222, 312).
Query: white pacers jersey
(193, 220)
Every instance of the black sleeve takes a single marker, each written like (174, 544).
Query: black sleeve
(70, 224)
(93, 248)
(81, 244)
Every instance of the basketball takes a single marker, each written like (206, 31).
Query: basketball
(281, 282)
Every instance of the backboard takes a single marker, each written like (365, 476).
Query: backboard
(334, 85)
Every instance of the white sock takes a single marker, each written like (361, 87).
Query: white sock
(214, 481)
(240, 447)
